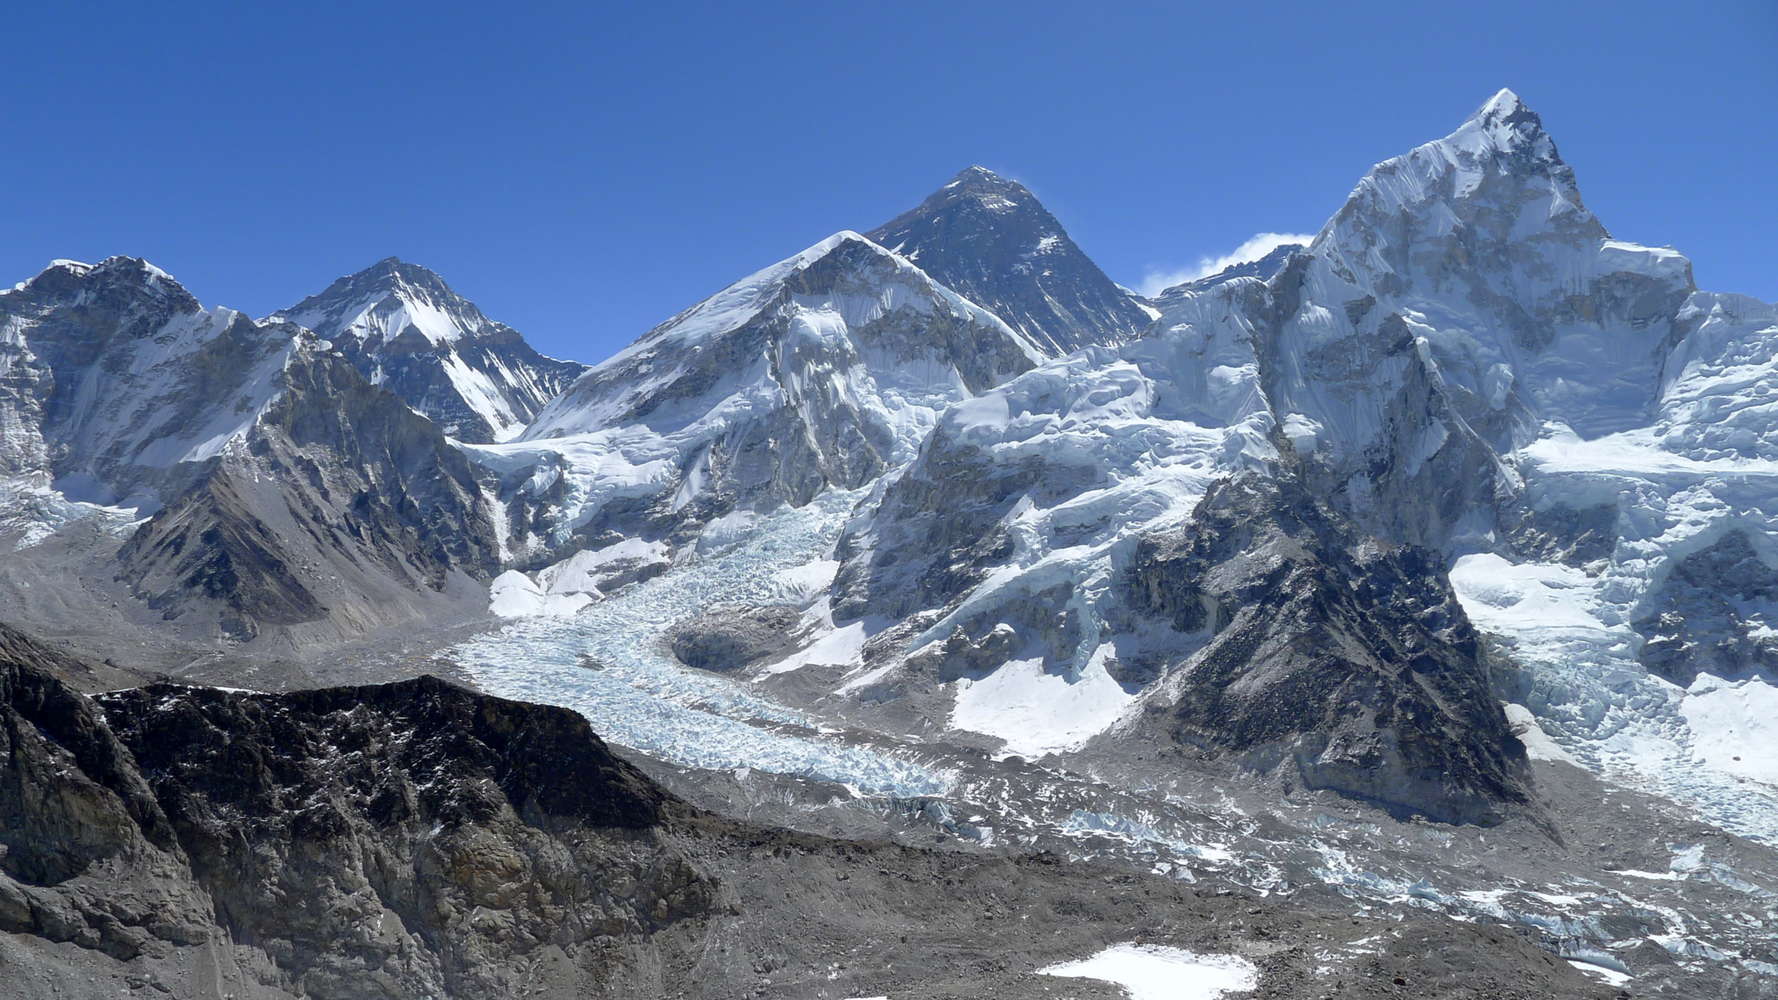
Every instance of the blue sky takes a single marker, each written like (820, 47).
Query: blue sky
(583, 170)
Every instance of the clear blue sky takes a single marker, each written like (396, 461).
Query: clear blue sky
(584, 170)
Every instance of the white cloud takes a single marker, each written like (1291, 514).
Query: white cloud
(1254, 247)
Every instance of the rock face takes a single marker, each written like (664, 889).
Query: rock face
(991, 240)
(824, 370)
(1344, 659)
(404, 329)
(417, 840)
(412, 839)
(1704, 618)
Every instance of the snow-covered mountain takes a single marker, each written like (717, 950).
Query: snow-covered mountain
(281, 490)
(1464, 360)
(1462, 493)
(826, 369)
(116, 381)
(407, 331)
(991, 240)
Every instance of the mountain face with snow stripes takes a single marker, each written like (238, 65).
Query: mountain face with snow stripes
(823, 371)
(404, 329)
(279, 489)
(1463, 362)
(989, 239)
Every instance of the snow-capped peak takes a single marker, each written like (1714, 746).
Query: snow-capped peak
(403, 328)
(989, 238)
(1505, 125)
(386, 302)
(1498, 177)
(742, 302)
(1504, 104)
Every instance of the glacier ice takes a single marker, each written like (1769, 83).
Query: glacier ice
(609, 663)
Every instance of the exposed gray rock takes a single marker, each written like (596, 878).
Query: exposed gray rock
(1703, 618)
(345, 505)
(419, 840)
(1347, 660)
(729, 637)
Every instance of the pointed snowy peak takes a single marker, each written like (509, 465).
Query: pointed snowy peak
(1497, 180)
(386, 302)
(990, 239)
(1505, 125)
(408, 331)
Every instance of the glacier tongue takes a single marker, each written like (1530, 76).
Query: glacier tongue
(610, 663)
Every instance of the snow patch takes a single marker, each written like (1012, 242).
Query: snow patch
(1734, 726)
(1155, 972)
(515, 595)
(1037, 712)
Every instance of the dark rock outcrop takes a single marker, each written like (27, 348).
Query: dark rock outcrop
(419, 840)
(1343, 658)
(1702, 618)
(410, 839)
(732, 636)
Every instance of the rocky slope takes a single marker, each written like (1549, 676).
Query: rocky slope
(404, 329)
(991, 240)
(416, 839)
(1345, 659)
(342, 508)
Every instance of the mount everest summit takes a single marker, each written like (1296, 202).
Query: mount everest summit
(1462, 506)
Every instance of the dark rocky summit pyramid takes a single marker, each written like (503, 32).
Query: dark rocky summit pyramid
(991, 240)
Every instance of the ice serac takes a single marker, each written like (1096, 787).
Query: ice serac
(404, 329)
(824, 370)
(990, 239)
